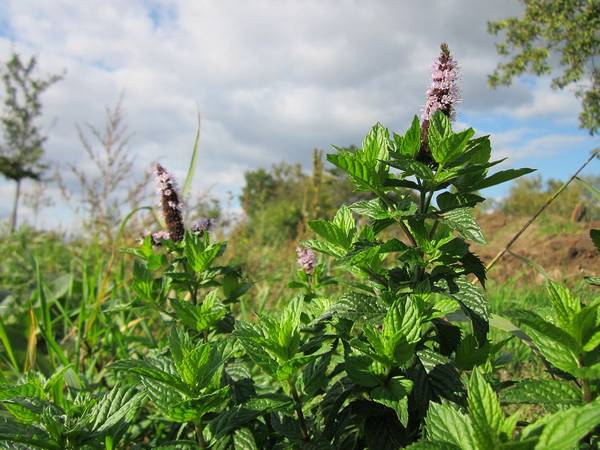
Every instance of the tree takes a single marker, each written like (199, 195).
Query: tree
(22, 148)
(565, 29)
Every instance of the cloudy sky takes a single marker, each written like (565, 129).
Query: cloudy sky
(273, 79)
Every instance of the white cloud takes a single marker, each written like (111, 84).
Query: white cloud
(272, 80)
(521, 144)
(547, 102)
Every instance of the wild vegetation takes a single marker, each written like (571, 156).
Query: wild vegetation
(381, 337)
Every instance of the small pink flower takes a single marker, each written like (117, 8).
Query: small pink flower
(307, 259)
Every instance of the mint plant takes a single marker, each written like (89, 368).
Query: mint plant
(568, 340)
(381, 363)
(410, 260)
(43, 417)
(483, 424)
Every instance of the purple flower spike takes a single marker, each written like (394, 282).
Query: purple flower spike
(306, 259)
(170, 203)
(443, 94)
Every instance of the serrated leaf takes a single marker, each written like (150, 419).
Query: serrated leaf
(241, 415)
(500, 177)
(243, 439)
(359, 370)
(442, 375)
(344, 220)
(450, 147)
(478, 150)
(469, 354)
(195, 408)
(484, 410)
(199, 255)
(251, 338)
(8, 391)
(314, 374)
(463, 221)
(412, 167)
(375, 147)
(542, 392)
(594, 281)
(331, 233)
(146, 369)
(393, 395)
(403, 317)
(564, 304)
(592, 343)
(356, 306)
(325, 247)
(15, 432)
(557, 346)
(564, 429)
(472, 264)
(451, 200)
(411, 142)
(444, 423)
(375, 209)
(363, 176)
(475, 306)
(439, 129)
(114, 406)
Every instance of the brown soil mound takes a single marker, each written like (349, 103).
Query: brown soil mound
(564, 255)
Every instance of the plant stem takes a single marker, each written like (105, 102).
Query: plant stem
(390, 205)
(433, 228)
(585, 389)
(422, 202)
(298, 408)
(199, 436)
(408, 233)
(585, 385)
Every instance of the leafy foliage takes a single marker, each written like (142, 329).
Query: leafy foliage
(399, 356)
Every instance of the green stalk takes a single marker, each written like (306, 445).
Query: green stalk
(585, 389)
(199, 436)
(405, 229)
(299, 413)
(585, 385)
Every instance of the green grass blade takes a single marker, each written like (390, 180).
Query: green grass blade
(7, 346)
(41, 294)
(187, 185)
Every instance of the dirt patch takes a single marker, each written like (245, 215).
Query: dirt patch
(564, 255)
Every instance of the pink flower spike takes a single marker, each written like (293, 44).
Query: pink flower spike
(170, 202)
(443, 94)
(307, 259)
